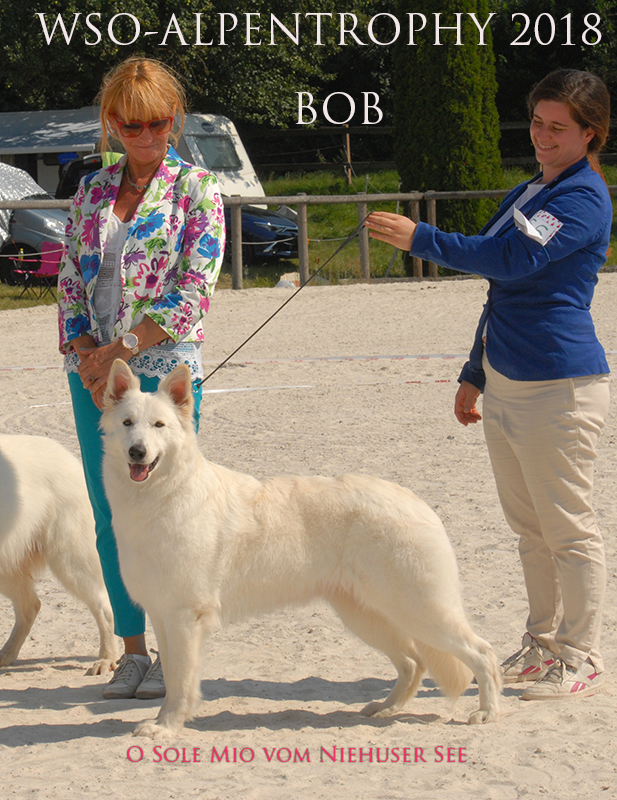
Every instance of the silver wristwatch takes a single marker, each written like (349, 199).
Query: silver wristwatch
(131, 342)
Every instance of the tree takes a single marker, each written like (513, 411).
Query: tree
(37, 76)
(562, 36)
(446, 128)
(248, 83)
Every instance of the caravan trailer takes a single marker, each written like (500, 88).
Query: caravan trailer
(53, 143)
(43, 142)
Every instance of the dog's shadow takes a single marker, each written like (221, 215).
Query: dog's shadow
(306, 691)
(79, 663)
(309, 690)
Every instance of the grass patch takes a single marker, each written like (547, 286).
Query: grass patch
(329, 225)
(9, 298)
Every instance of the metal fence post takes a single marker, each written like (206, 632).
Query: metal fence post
(303, 251)
(236, 246)
(365, 264)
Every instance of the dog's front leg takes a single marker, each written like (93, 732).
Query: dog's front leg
(184, 630)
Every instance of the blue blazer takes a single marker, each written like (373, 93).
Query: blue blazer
(537, 314)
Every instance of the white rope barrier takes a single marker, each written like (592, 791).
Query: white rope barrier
(444, 356)
(275, 389)
(308, 359)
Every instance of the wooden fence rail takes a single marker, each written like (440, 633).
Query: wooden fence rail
(302, 201)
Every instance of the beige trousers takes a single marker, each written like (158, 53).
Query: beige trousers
(542, 438)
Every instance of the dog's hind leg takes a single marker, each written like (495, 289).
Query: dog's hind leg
(480, 659)
(462, 643)
(19, 588)
(184, 630)
(377, 631)
(434, 619)
(80, 574)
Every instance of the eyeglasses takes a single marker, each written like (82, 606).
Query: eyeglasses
(134, 128)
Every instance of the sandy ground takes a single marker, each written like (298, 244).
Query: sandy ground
(282, 694)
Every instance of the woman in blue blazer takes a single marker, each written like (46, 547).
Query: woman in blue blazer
(544, 374)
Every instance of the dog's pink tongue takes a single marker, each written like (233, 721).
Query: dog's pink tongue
(139, 472)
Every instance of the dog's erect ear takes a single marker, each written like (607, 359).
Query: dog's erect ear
(178, 386)
(120, 380)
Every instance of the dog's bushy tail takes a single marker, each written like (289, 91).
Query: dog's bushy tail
(448, 671)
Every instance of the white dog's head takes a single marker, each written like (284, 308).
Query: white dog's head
(142, 429)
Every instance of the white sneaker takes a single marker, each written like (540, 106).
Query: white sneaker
(153, 684)
(127, 676)
(530, 663)
(563, 682)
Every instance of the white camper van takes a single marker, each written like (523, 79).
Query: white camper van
(212, 141)
(42, 141)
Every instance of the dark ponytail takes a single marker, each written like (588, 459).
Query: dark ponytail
(589, 102)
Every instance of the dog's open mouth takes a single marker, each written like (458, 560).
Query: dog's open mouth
(139, 472)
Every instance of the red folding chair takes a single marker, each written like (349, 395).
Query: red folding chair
(24, 267)
(47, 275)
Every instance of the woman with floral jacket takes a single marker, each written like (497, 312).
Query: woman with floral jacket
(144, 246)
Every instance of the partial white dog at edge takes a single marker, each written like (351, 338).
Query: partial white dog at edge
(201, 546)
(46, 518)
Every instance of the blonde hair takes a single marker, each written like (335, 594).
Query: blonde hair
(146, 89)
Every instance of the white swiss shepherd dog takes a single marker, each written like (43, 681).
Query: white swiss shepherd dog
(201, 546)
(46, 518)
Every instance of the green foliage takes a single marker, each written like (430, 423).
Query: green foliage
(10, 298)
(259, 84)
(355, 68)
(519, 67)
(247, 83)
(36, 75)
(445, 118)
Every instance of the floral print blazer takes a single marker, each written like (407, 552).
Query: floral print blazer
(171, 258)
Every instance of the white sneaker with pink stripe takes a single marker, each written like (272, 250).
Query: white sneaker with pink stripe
(563, 682)
(530, 663)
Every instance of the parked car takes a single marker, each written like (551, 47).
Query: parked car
(266, 234)
(24, 230)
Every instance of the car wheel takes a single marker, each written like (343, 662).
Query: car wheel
(5, 267)
(248, 254)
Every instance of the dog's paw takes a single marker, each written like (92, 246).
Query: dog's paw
(378, 710)
(151, 729)
(481, 716)
(7, 658)
(102, 666)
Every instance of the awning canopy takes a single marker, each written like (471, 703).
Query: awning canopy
(49, 131)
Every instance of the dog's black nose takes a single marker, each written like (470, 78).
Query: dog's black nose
(137, 452)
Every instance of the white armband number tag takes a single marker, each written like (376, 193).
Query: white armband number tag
(546, 225)
(541, 227)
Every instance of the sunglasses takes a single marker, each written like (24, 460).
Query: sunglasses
(134, 128)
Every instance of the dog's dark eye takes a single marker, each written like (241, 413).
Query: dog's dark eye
(127, 422)
(159, 424)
